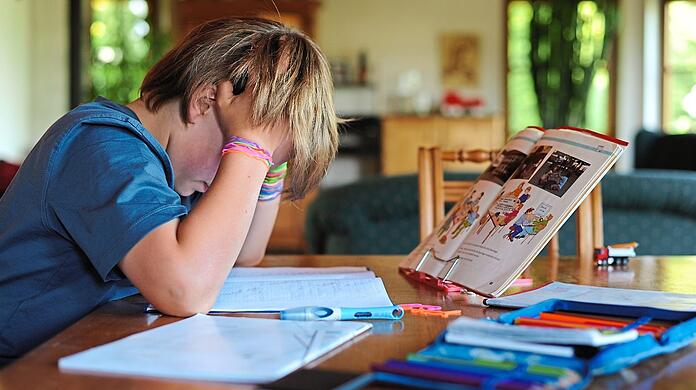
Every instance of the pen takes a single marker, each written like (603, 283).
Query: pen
(317, 313)
(573, 324)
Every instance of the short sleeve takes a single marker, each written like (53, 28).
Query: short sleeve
(107, 195)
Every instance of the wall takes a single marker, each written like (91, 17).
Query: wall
(629, 87)
(14, 78)
(33, 71)
(345, 28)
(50, 74)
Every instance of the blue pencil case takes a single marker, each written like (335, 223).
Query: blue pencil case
(570, 372)
(613, 358)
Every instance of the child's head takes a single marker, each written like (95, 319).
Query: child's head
(285, 72)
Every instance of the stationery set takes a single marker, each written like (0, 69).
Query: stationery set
(561, 342)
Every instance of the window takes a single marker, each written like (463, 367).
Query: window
(123, 45)
(559, 51)
(679, 72)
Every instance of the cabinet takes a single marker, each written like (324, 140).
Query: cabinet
(403, 135)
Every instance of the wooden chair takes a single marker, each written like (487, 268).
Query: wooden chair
(434, 191)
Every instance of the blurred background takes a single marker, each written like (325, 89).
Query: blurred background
(455, 73)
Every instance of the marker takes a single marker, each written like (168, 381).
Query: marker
(318, 313)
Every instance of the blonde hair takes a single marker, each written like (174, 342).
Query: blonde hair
(290, 82)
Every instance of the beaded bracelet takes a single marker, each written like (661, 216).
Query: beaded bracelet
(248, 148)
(272, 185)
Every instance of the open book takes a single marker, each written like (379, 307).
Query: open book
(514, 208)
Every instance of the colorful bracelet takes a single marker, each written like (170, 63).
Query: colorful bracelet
(248, 148)
(272, 185)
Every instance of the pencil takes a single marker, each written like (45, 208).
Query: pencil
(599, 322)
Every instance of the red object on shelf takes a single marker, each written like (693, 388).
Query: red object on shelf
(454, 99)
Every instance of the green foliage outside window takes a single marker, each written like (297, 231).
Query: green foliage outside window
(558, 63)
(680, 67)
(123, 46)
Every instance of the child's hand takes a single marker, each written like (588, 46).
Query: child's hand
(233, 114)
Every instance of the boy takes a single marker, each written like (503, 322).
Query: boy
(99, 198)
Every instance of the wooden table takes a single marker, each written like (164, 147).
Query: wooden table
(38, 369)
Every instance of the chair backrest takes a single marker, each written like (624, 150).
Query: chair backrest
(434, 191)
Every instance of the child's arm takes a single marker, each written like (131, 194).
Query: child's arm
(256, 241)
(181, 266)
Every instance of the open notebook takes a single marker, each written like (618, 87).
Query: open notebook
(243, 350)
(278, 288)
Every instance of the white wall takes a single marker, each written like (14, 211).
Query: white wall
(411, 40)
(50, 61)
(34, 71)
(629, 87)
(14, 78)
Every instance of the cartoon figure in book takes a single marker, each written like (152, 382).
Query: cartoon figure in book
(531, 223)
(466, 222)
(447, 223)
(463, 212)
(525, 220)
(505, 209)
(515, 193)
(525, 195)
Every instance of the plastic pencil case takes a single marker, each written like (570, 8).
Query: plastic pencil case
(613, 358)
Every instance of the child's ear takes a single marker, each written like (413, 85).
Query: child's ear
(203, 101)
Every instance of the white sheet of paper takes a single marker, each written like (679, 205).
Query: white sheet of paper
(605, 295)
(243, 350)
(274, 295)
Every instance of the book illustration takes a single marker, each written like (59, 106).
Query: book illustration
(504, 164)
(531, 163)
(506, 208)
(530, 223)
(463, 216)
(558, 173)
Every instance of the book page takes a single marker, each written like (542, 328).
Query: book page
(451, 232)
(215, 348)
(275, 295)
(533, 204)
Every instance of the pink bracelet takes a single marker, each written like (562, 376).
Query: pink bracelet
(248, 148)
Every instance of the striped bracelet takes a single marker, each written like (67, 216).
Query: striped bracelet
(248, 148)
(272, 185)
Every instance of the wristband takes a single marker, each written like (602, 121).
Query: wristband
(272, 185)
(248, 148)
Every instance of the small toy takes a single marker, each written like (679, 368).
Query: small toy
(429, 310)
(616, 254)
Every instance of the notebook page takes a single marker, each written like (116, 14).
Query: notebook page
(294, 271)
(276, 295)
(291, 273)
(217, 349)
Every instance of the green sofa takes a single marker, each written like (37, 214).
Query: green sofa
(379, 215)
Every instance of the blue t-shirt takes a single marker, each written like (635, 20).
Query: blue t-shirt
(94, 185)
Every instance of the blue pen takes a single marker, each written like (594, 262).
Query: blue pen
(317, 313)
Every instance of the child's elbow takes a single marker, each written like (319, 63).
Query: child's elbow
(185, 302)
(250, 260)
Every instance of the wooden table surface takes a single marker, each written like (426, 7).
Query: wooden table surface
(38, 369)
